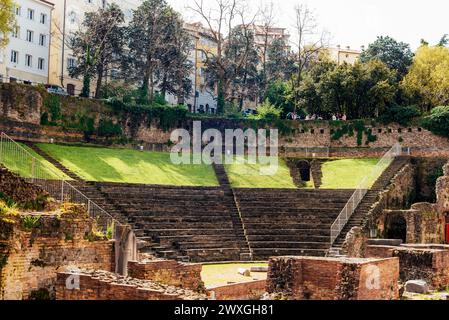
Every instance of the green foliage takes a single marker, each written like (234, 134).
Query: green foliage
(30, 222)
(267, 112)
(232, 111)
(433, 177)
(52, 103)
(106, 128)
(7, 21)
(400, 114)
(7, 208)
(347, 129)
(438, 121)
(40, 294)
(279, 94)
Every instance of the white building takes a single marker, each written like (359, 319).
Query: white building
(26, 58)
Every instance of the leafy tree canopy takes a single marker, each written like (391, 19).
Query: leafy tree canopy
(7, 20)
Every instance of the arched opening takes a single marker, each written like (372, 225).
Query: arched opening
(396, 227)
(304, 170)
(71, 89)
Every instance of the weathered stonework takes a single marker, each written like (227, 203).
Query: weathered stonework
(251, 290)
(170, 272)
(355, 243)
(31, 255)
(311, 278)
(102, 285)
(20, 104)
(418, 263)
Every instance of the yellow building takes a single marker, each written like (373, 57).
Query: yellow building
(340, 55)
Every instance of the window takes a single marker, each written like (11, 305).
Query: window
(72, 17)
(28, 60)
(43, 18)
(41, 64)
(42, 40)
(16, 32)
(18, 10)
(71, 63)
(30, 35)
(14, 56)
(31, 14)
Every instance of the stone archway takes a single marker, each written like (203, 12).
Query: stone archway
(396, 227)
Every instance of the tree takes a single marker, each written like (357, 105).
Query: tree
(427, 82)
(157, 57)
(396, 55)
(98, 46)
(444, 41)
(279, 65)
(175, 66)
(308, 45)
(221, 17)
(279, 93)
(7, 21)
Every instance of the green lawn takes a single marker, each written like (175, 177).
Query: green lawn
(251, 176)
(347, 173)
(20, 162)
(129, 166)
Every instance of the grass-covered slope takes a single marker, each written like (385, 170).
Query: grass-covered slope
(129, 166)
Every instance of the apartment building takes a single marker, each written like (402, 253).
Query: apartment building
(67, 19)
(26, 57)
(267, 35)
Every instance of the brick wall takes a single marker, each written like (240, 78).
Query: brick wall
(171, 272)
(333, 279)
(102, 285)
(31, 257)
(251, 290)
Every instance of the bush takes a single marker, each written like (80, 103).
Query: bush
(400, 114)
(267, 112)
(53, 104)
(106, 128)
(438, 121)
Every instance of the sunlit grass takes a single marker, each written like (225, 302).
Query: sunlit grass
(222, 274)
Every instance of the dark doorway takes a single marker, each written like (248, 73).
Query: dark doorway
(396, 227)
(304, 170)
(71, 89)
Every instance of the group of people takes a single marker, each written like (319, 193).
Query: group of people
(335, 117)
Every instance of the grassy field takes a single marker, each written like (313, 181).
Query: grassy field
(222, 274)
(21, 163)
(347, 173)
(249, 176)
(129, 166)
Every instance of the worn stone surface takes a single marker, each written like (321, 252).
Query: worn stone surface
(416, 286)
(354, 245)
(20, 104)
(251, 290)
(333, 278)
(170, 272)
(103, 285)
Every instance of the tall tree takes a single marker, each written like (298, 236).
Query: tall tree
(98, 46)
(280, 63)
(7, 21)
(309, 43)
(221, 17)
(396, 55)
(427, 82)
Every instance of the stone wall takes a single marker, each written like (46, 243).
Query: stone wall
(251, 290)
(102, 285)
(420, 263)
(170, 272)
(312, 278)
(22, 107)
(427, 171)
(33, 250)
(399, 195)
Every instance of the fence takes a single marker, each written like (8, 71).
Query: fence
(361, 191)
(19, 160)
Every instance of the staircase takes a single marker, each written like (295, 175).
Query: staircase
(368, 201)
(230, 203)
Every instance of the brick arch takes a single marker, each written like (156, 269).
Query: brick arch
(304, 170)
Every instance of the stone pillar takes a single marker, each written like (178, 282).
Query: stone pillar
(125, 248)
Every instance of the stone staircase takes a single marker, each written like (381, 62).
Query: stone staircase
(289, 221)
(184, 223)
(368, 201)
(230, 203)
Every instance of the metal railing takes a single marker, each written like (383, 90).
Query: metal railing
(19, 160)
(361, 190)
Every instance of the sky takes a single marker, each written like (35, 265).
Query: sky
(358, 22)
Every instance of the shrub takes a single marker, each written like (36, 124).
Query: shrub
(30, 222)
(400, 114)
(267, 112)
(53, 104)
(438, 121)
(106, 128)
